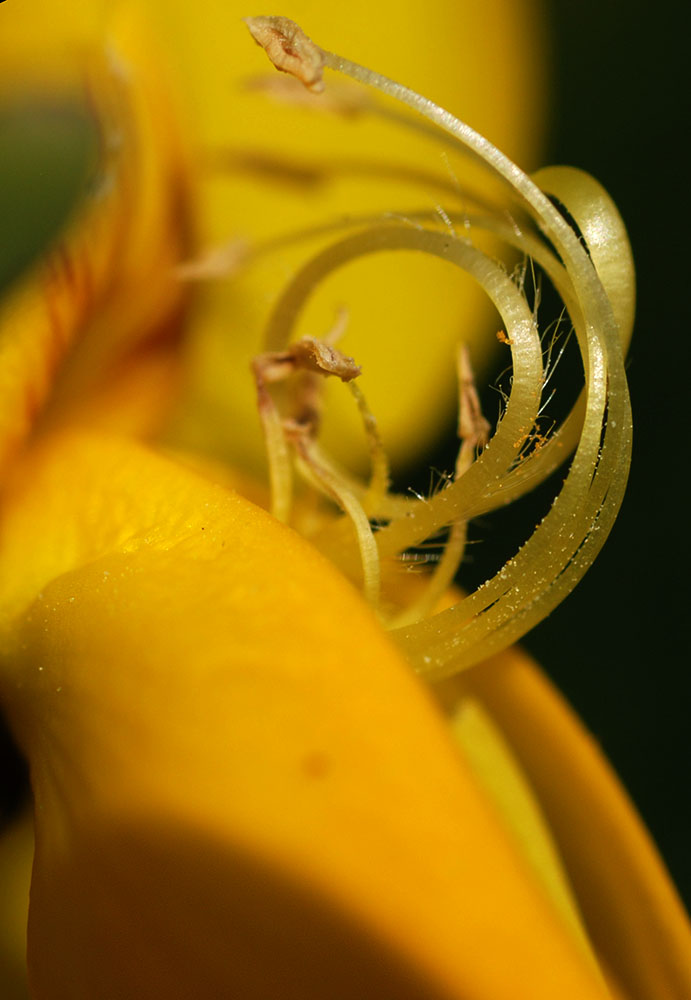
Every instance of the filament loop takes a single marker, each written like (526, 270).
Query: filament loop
(596, 285)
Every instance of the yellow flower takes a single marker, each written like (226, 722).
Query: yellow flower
(241, 787)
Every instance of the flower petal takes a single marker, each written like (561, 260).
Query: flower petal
(499, 774)
(631, 909)
(109, 284)
(39, 139)
(226, 749)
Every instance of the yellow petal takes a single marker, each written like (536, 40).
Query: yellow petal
(109, 284)
(632, 911)
(41, 49)
(234, 771)
(496, 768)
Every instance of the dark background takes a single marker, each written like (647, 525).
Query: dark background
(618, 646)
(621, 111)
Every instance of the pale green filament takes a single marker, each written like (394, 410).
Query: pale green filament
(597, 289)
(373, 501)
(337, 488)
(447, 567)
(280, 466)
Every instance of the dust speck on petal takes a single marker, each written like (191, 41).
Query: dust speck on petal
(315, 764)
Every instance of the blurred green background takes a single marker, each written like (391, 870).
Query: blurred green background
(46, 150)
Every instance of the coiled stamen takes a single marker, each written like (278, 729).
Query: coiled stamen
(596, 285)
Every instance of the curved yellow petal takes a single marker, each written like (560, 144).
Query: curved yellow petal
(632, 911)
(109, 284)
(41, 48)
(225, 747)
(497, 770)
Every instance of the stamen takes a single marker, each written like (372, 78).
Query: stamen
(313, 358)
(336, 487)
(473, 431)
(596, 283)
(280, 468)
(289, 49)
(380, 478)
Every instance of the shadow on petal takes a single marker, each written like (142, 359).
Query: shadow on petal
(148, 908)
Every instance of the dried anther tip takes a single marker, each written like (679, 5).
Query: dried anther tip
(315, 355)
(307, 354)
(289, 49)
(311, 357)
(473, 429)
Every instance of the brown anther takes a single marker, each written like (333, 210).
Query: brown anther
(309, 358)
(307, 354)
(289, 49)
(502, 338)
(473, 428)
(316, 356)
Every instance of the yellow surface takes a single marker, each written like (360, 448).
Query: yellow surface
(633, 913)
(270, 169)
(211, 712)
